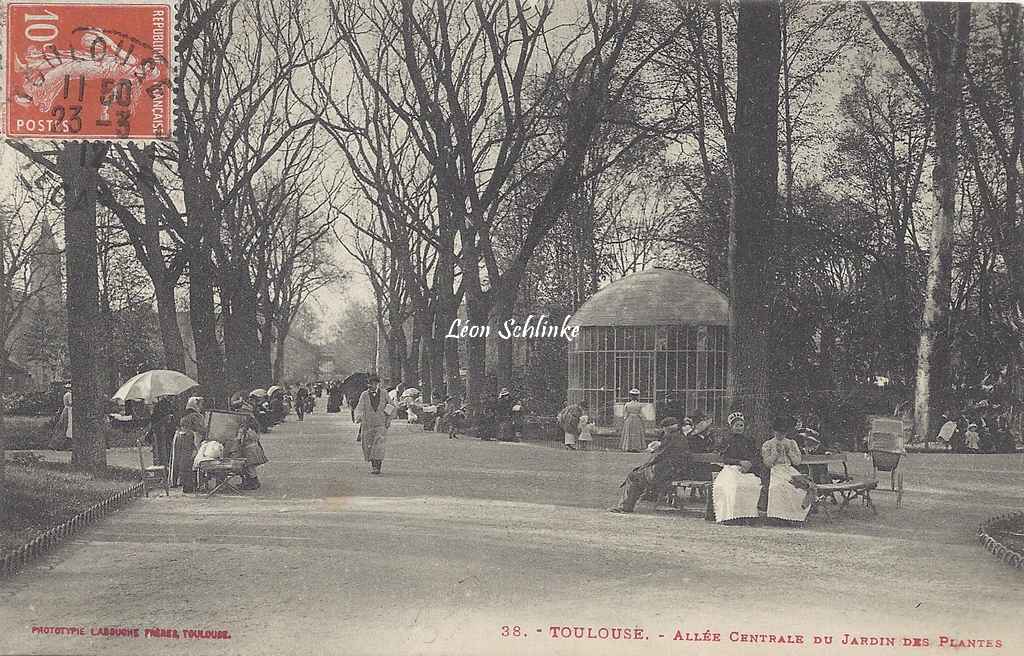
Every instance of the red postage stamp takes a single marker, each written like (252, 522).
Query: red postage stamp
(89, 71)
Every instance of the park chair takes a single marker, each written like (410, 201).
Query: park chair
(887, 461)
(885, 445)
(154, 475)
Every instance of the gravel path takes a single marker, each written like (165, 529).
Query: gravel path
(458, 539)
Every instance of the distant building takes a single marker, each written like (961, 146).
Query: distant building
(37, 340)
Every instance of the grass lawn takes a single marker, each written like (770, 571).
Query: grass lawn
(36, 496)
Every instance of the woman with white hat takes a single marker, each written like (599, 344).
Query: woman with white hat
(633, 437)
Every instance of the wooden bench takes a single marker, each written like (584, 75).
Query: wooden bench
(840, 489)
(702, 487)
(847, 491)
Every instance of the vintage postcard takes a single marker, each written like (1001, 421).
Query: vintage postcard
(483, 327)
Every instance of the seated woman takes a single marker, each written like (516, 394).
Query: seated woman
(788, 490)
(737, 487)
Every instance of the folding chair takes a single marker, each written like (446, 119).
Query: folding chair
(154, 475)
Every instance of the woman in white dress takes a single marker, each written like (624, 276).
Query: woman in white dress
(586, 426)
(633, 438)
(737, 487)
(67, 410)
(788, 489)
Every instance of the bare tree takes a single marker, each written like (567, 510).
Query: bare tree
(946, 28)
(466, 86)
(239, 71)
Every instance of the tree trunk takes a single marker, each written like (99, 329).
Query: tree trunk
(164, 281)
(396, 353)
(280, 353)
(79, 164)
(947, 30)
(476, 355)
(755, 204)
(438, 389)
(170, 334)
(202, 316)
(450, 348)
(504, 308)
(423, 322)
(411, 369)
(241, 339)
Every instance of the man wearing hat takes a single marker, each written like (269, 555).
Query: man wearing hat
(669, 459)
(373, 414)
(503, 415)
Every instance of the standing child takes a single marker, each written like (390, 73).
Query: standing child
(972, 440)
(586, 426)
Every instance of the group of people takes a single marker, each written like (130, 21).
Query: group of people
(752, 480)
(182, 443)
(977, 434)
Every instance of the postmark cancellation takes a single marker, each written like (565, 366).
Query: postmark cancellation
(94, 71)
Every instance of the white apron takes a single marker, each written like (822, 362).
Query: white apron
(784, 500)
(570, 439)
(735, 494)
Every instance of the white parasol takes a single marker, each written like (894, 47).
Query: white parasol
(151, 385)
(411, 392)
(271, 390)
(259, 392)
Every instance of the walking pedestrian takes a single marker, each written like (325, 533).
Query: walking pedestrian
(373, 414)
(301, 397)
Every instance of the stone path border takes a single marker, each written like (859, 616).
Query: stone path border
(13, 561)
(1006, 553)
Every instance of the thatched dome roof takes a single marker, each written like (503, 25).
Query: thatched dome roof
(656, 297)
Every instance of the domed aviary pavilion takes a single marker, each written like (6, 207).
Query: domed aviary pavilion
(661, 331)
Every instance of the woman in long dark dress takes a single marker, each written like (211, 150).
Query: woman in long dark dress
(162, 425)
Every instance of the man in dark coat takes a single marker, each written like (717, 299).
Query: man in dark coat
(671, 458)
(301, 398)
(161, 430)
(503, 415)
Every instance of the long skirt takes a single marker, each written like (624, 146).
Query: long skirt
(632, 434)
(735, 494)
(570, 439)
(68, 426)
(181, 457)
(373, 442)
(784, 499)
